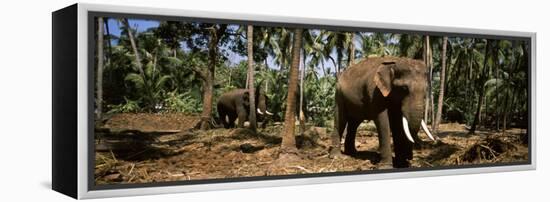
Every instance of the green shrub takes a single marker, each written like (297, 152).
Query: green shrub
(127, 107)
(183, 102)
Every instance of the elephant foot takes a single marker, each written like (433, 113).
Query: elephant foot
(401, 163)
(382, 166)
(350, 151)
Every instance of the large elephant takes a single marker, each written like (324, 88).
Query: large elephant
(390, 91)
(236, 104)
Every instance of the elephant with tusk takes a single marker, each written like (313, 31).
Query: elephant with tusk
(236, 104)
(266, 112)
(390, 91)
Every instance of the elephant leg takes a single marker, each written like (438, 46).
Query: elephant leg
(225, 122)
(382, 123)
(401, 145)
(242, 118)
(223, 117)
(349, 144)
(232, 119)
(264, 121)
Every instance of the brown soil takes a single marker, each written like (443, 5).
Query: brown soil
(226, 153)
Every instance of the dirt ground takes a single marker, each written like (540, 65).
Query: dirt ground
(141, 148)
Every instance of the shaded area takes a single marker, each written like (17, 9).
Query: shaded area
(225, 153)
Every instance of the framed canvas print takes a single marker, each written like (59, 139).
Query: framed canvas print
(150, 101)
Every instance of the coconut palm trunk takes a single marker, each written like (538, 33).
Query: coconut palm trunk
(289, 142)
(301, 115)
(250, 52)
(99, 84)
(351, 49)
(208, 77)
(481, 89)
(134, 47)
(428, 59)
(441, 85)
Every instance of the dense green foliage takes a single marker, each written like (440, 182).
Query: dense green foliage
(172, 53)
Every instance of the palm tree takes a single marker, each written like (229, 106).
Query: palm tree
(134, 47)
(480, 84)
(316, 49)
(289, 142)
(281, 43)
(512, 79)
(144, 81)
(150, 86)
(428, 59)
(339, 41)
(250, 49)
(351, 48)
(378, 44)
(441, 85)
(215, 34)
(99, 84)
(267, 44)
(410, 46)
(307, 49)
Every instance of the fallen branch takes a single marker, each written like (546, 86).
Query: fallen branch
(131, 169)
(301, 168)
(113, 155)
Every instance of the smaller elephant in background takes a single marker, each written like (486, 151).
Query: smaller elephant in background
(455, 116)
(236, 104)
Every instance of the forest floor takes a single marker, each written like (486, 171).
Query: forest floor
(142, 148)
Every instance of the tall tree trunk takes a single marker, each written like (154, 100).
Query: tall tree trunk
(352, 50)
(266, 81)
(481, 89)
(497, 105)
(441, 85)
(301, 116)
(325, 73)
(109, 46)
(134, 47)
(289, 142)
(251, 91)
(428, 59)
(137, 58)
(509, 100)
(432, 112)
(505, 113)
(338, 60)
(283, 59)
(208, 80)
(247, 79)
(99, 84)
(229, 78)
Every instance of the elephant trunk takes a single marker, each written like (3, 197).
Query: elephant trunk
(412, 124)
(261, 104)
(412, 113)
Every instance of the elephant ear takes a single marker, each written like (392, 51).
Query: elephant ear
(384, 77)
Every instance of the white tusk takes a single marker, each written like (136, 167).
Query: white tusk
(425, 128)
(259, 112)
(268, 113)
(406, 129)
